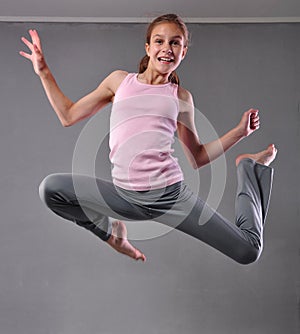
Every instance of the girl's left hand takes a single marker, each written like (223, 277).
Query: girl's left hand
(249, 122)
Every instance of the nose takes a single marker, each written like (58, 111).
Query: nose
(168, 50)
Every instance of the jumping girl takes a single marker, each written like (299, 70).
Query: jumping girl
(147, 109)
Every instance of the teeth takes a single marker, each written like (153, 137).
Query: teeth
(165, 59)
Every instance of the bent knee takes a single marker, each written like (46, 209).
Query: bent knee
(50, 185)
(249, 255)
(45, 188)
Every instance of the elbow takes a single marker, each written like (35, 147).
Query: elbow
(192, 161)
(202, 157)
(198, 166)
(194, 165)
(195, 160)
(65, 117)
(66, 124)
(196, 156)
(198, 163)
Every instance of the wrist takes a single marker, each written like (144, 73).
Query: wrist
(44, 73)
(238, 133)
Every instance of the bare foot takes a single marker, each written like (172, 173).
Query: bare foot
(118, 241)
(264, 157)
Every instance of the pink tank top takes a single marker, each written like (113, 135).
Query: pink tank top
(142, 126)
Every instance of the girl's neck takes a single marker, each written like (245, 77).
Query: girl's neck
(153, 78)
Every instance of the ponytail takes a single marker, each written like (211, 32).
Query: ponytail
(173, 77)
(144, 64)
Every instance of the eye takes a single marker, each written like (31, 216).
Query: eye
(176, 43)
(158, 41)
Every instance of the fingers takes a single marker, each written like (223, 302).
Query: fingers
(35, 38)
(25, 55)
(33, 46)
(27, 43)
(254, 122)
(252, 111)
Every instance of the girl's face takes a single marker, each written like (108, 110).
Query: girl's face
(167, 48)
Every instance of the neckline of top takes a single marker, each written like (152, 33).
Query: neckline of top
(151, 85)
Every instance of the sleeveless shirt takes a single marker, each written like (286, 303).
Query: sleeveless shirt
(142, 125)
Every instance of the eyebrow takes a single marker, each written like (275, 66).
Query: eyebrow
(177, 36)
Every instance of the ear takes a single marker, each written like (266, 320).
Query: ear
(147, 47)
(184, 52)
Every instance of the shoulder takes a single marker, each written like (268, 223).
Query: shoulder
(118, 74)
(185, 99)
(108, 87)
(114, 79)
(184, 95)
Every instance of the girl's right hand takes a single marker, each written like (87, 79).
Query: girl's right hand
(36, 56)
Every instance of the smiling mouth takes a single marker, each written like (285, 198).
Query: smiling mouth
(167, 60)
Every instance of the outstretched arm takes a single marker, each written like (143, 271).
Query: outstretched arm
(200, 154)
(69, 112)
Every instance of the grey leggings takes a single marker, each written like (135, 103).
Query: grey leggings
(175, 206)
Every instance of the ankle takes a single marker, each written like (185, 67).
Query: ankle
(111, 240)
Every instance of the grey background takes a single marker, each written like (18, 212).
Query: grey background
(57, 278)
(140, 9)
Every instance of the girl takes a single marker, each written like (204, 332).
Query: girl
(148, 107)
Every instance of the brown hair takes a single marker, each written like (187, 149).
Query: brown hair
(167, 18)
